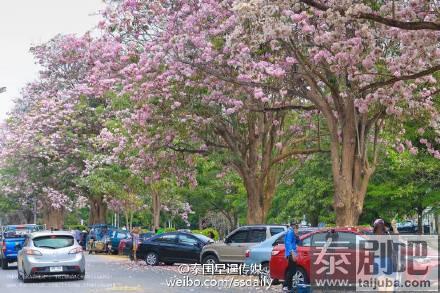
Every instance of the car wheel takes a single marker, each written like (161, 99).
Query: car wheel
(5, 264)
(152, 259)
(81, 276)
(169, 263)
(19, 277)
(210, 259)
(300, 277)
(25, 277)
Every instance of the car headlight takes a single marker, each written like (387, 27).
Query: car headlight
(32, 252)
(76, 250)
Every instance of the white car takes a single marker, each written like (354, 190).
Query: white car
(50, 253)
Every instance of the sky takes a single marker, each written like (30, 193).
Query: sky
(24, 23)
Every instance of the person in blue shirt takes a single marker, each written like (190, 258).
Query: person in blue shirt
(291, 255)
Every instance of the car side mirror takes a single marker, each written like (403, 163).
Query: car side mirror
(227, 240)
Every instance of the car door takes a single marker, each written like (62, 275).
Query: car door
(333, 256)
(166, 247)
(188, 248)
(349, 244)
(303, 248)
(318, 256)
(235, 246)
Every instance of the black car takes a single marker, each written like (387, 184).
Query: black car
(173, 247)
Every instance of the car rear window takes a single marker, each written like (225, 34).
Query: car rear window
(53, 241)
(15, 234)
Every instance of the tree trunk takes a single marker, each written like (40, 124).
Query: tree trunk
(269, 192)
(347, 205)
(53, 218)
(127, 221)
(350, 176)
(156, 209)
(98, 211)
(437, 223)
(259, 197)
(420, 229)
(255, 200)
(314, 220)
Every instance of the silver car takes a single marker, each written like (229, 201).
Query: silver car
(233, 248)
(50, 253)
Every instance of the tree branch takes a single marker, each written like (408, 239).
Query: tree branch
(393, 80)
(186, 150)
(406, 25)
(284, 108)
(297, 152)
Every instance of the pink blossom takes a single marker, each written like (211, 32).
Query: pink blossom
(230, 111)
(400, 148)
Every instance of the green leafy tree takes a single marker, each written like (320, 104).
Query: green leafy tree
(309, 194)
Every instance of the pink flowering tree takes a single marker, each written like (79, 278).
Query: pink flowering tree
(48, 135)
(185, 105)
(364, 75)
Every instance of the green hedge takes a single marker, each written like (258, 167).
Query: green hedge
(206, 232)
(77, 227)
(169, 230)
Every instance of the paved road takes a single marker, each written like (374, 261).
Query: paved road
(105, 273)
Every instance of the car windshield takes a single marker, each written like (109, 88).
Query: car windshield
(203, 238)
(53, 241)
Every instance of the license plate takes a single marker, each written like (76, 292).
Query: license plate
(56, 269)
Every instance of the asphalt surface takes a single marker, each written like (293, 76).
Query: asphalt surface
(107, 273)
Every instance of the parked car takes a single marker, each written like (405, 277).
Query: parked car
(173, 247)
(12, 238)
(260, 254)
(233, 248)
(344, 241)
(115, 238)
(411, 227)
(50, 253)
